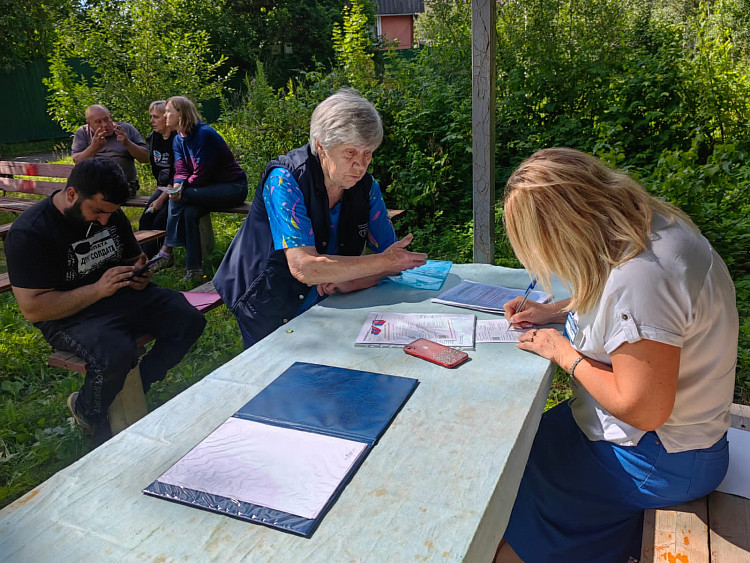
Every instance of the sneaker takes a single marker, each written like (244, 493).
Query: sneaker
(192, 276)
(165, 261)
(84, 423)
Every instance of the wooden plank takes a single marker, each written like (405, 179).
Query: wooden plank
(16, 204)
(46, 187)
(149, 235)
(137, 201)
(678, 533)
(730, 528)
(483, 109)
(740, 416)
(46, 170)
(4, 230)
(4, 283)
(66, 360)
(30, 186)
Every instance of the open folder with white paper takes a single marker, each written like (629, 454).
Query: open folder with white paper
(284, 457)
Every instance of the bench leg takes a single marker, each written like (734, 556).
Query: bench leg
(208, 241)
(129, 405)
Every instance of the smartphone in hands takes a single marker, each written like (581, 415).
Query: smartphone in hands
(436, 353)
(147, 266)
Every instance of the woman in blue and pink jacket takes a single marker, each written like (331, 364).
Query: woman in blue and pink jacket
(207, 177)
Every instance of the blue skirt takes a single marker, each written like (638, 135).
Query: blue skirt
(583, 501)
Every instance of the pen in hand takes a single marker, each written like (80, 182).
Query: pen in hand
(532, 285)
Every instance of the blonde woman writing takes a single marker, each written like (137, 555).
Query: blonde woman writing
(650, 345)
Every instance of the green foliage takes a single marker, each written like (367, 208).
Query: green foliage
(35, 438)
(262, 124)
(287, 36)
(713, 192)
(354, 47)
(28, 29)
(560, 390)
(159, 55)
(742, 391)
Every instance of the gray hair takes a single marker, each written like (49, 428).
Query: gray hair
(159, 105)
(345, 118)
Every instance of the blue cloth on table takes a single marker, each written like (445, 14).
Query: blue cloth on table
(430, 276)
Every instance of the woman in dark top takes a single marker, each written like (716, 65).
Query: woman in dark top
(161, 158)
(207, 177)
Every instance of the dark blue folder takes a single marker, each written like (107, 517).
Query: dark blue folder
(350, 404)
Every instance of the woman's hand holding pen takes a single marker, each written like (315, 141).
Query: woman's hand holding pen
(533, 313)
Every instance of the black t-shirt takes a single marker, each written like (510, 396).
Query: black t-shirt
(45, 250)
(161, 157)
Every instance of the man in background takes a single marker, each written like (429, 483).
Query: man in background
(118, 141)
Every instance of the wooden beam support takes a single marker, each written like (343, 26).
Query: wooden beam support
(484, 73)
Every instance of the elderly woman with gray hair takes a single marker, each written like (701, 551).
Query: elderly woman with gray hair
(315, 209)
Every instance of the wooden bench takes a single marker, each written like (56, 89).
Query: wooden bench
(30, 182)
(37, 179)
(129, 405)
(140, 236)
(712, 529)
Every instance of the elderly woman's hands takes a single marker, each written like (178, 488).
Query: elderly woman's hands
(399, 259)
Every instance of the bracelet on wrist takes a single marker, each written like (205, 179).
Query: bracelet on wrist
(572, 370)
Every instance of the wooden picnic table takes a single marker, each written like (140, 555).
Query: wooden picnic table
(439, 485)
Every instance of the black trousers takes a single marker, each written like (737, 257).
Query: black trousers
(104, 335)
(154, 221)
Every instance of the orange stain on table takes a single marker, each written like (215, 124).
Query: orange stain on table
(687, 540)
(27, 498)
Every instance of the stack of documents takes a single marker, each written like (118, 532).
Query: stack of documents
(400, 329)
(484, 297)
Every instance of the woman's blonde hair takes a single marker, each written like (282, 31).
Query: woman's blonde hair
(568, 214)
(188, 113)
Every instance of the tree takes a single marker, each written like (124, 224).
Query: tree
(137, 51)
(28, 29)
(354, 47)
(286, 36)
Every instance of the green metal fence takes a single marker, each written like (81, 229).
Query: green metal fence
(23, 106)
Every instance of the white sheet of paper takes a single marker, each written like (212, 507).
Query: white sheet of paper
(281, 468)
(737, 480)
(400, 329)
(498, 330)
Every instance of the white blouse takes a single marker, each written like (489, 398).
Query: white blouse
(679, 292)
